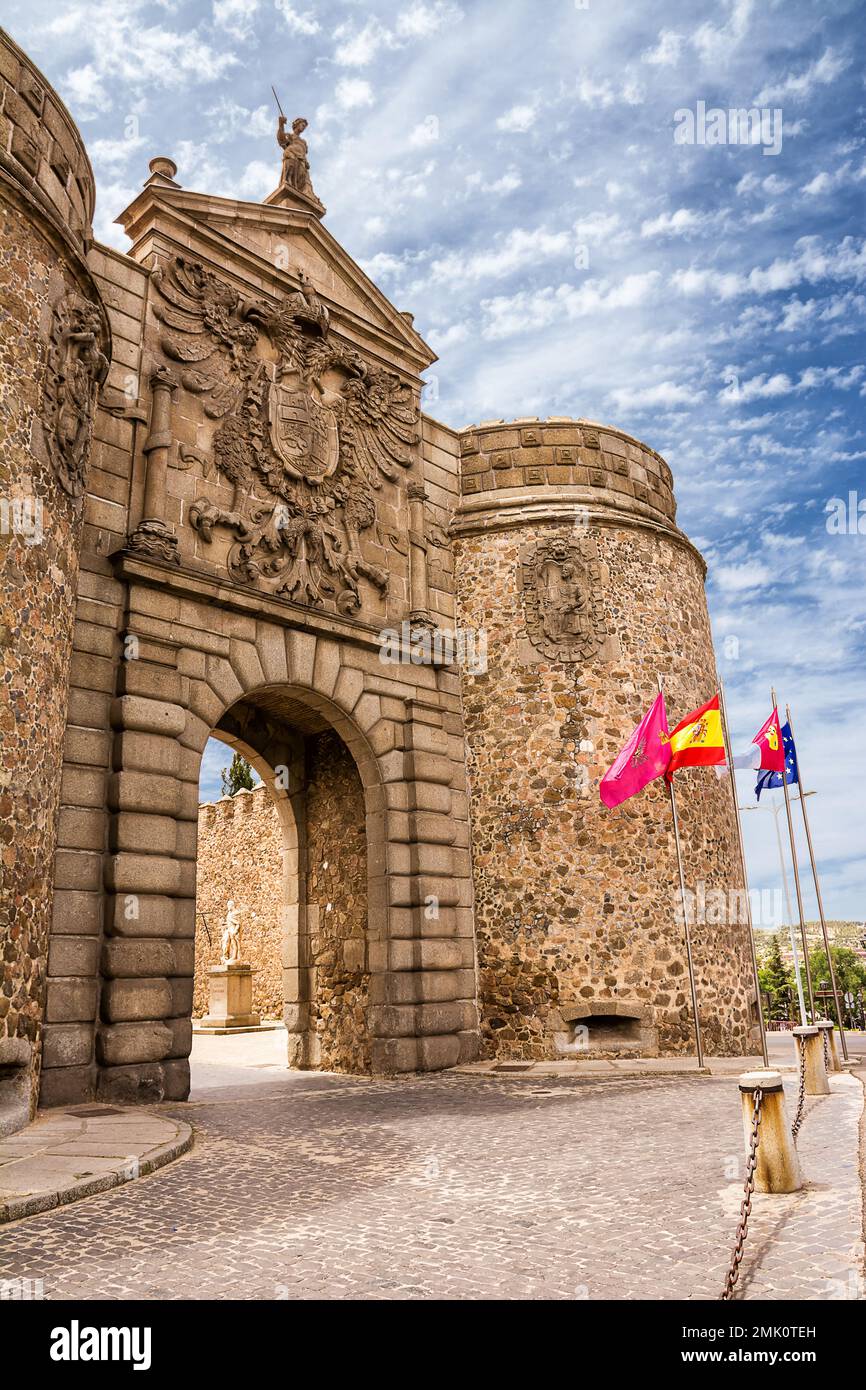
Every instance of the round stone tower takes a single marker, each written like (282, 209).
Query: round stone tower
(569, 559)
(54, 350)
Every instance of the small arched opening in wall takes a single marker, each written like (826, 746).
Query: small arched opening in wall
(292, 857)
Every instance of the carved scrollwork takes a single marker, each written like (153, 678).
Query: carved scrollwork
(562, 600)
(307, 429)
(76, 367)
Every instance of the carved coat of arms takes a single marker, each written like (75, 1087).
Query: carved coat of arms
(562, 601)
(75, 369)
(307, 429)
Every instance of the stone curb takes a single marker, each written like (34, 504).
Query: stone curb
(134, 1165)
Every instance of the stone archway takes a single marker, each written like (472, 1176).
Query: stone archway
(193, 666)
(312, 801)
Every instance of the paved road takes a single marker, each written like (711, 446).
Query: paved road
(308, 1186)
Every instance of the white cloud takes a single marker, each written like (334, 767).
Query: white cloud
(823, 71)
(519, 119)
(352, 92)
(298, 21)
(795, 314)
(715, 44)
(667, 51)
(736, 579)
(110, 154)
(85, 90)
(664, 393)
(683, 222)
(509, 315)
(419, 21)
(514, 251)
(257, 180)
(235, 16)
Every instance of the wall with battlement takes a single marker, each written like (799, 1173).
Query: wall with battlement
(568, 557)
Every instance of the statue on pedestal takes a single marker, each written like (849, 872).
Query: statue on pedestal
(296, 166)
(232, 934)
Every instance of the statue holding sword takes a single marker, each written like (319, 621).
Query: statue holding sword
(296, 166)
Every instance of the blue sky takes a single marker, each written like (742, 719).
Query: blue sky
(507, 171)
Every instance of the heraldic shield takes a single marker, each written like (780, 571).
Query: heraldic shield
(304, 432)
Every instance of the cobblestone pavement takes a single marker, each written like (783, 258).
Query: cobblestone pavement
(307, 1186)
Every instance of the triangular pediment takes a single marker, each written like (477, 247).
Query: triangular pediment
(268, 247)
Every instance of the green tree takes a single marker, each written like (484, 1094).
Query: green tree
(850, 974)
(777, 979)
(238, 777)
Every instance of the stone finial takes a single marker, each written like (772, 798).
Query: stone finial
(163, 168)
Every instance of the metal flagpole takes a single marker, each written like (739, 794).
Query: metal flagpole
(797, 976)
(839, 1015)
(698, 1045)
(794, 860)
(724, 713)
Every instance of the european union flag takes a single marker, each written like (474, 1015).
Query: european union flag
(774, 779)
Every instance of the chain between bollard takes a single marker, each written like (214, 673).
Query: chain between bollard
(801, 1095)
(746, 1204)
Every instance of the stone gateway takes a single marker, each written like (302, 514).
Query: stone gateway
(238, 495)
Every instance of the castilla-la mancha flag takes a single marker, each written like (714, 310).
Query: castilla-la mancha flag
(644, 757)
(697, 740)
(769, 741)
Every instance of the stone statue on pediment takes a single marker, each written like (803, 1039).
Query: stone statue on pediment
(296, 165)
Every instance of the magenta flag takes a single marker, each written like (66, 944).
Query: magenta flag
(645, 757)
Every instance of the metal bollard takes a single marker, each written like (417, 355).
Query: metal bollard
(810, 1047)
(826, 1025)
(778, 1168)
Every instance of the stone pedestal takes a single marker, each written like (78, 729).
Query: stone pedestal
(230, 998)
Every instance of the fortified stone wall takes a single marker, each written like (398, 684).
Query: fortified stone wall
(54, 346)
(568, 557)
(339, 987)
(239, 508)
(240, 857)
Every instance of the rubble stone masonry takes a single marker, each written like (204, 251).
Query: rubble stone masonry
(576, 905)
(46, 202)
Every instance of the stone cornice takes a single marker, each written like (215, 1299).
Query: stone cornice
(239, 598)
(479, 516)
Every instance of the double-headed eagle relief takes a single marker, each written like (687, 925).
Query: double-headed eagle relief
(307, 429)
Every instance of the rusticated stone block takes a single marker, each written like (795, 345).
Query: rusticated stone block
(76, 912)
(175, 1079)
(436, 1053)
(123, 957)
(142, 914)
(67, 1045)
(143, 715)
(142, 791)
(127, 1001)
(66, 1085)
(149, 753)
(142, 873)
(122, 1044)
(133, 830)
(142, 1084)
(70, 1000)
(73, 955)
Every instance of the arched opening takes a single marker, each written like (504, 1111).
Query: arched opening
(292, 857)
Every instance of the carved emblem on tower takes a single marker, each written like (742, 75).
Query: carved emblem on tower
(76, 367)
(562, 600)
(307, 430)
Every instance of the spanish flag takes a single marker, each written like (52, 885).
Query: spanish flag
(697, 740)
